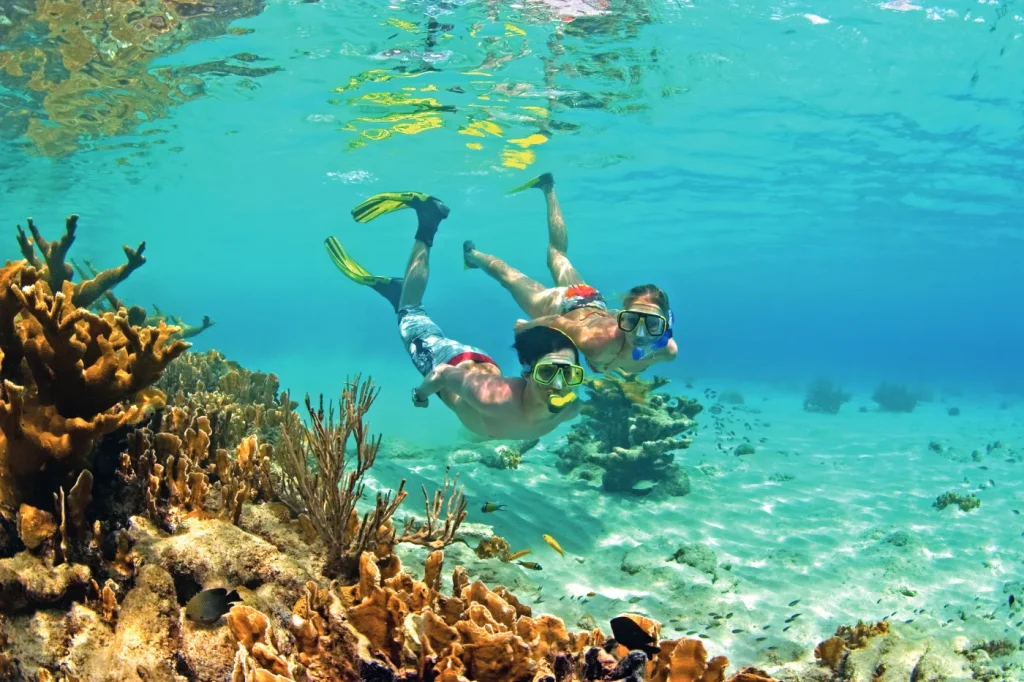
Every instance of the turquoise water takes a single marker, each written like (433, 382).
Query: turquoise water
(821, 188)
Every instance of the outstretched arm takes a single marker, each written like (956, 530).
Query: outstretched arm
(485, 393)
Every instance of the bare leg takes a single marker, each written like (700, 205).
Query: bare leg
(561, 269)
(429, 214)
(416, 274)
(530, 295)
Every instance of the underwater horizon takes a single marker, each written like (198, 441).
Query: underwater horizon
(824, 191)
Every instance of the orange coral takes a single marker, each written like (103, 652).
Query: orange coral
(390, 626)
(70, 376)
(857, 636)
(55, 269)
(80, 368)
(832, 651)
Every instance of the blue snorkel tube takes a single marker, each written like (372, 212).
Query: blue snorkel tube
(640, 352)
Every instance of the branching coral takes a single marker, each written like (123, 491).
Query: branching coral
(137, 314)
(69, 375)
(95, 290)
(58, 271)
(326, 492)
(631, 432)
(825, 397)
(237, 402)
(176, 470)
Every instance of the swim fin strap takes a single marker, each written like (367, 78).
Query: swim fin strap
(386, 202)
(544, 179)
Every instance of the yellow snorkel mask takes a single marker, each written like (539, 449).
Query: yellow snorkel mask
(546, 373)
(562, 374)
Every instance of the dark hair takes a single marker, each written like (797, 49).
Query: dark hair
(645, 291)
(536, 342)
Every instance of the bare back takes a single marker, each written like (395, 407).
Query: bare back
(597, 334)
(505, 417)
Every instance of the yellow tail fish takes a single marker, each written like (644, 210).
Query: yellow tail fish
(554, 544)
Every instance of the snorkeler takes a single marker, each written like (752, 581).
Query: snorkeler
(631, 339)
(465, 378)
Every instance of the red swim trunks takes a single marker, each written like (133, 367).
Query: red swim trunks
(471, 355)
(582, 296)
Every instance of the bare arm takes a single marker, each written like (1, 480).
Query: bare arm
(485, 393)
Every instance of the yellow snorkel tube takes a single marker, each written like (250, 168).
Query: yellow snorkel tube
(557, 403)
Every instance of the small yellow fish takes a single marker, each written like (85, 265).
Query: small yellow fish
(489, 507)
(519, 554)
(532, 565)
(554, 544)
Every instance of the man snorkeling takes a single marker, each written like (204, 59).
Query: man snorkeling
(631, 339)
(465, 378)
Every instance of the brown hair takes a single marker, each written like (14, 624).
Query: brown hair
(536, 342)
(647, 291)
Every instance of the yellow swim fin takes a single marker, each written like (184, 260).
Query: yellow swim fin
(388, 287)
(430, 211)
(344, 262)
(542, 181)
(387, 202)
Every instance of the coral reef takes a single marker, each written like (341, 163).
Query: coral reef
(965, 502)
(825, 397)
(237, 402)
(877, 652)
(508, 456)
(70, 376)
(496, 547)
(378, 623)
(202, 517)
(174, 467)
(391, 627)
(631, 433)
(96, 289)
(326, 492)
(894, 398)
(137, 314)
(833, 651)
